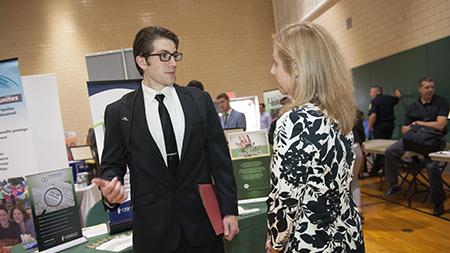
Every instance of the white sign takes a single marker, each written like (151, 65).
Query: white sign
(45, 119)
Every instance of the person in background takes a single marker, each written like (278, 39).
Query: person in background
(264, 117)
(310, 205)
(230, 118)
(381, 118)
(429, 110)
(359, 137)
(23, 219)
(170, 139)
(195, 83)
(9, 230)
(285, 101)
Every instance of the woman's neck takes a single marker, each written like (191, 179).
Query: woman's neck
(22, 226)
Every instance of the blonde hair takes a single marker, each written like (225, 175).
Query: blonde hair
(323, 77)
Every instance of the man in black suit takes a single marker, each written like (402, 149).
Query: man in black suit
(171, 140)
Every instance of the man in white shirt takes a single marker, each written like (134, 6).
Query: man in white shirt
(171, 140)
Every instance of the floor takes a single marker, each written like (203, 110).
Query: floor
(391, 226)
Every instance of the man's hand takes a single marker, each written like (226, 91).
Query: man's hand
(397, 93)
(230, 226)
(406, 129)
(268, 246)
(275, 251)
(113, 190)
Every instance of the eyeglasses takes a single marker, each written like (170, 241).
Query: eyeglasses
(165, 57)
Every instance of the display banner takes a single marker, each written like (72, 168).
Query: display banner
(101, 94)
(272, 101)
(250, 154)
(17, 155)
(55, 211)
(15, 204)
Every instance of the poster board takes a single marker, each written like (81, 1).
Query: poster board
(250, 154)
(55, 212)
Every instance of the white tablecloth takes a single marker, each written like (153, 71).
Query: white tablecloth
(86, 199)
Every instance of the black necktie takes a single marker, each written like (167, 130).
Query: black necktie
(169, 136)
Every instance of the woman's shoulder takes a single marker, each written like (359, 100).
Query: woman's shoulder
(304, 112)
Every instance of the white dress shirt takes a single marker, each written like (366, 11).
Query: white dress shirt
(173, 105)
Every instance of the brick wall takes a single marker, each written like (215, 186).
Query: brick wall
(385, 27)
(227, 44)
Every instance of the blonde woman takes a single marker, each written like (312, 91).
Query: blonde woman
(310, 206)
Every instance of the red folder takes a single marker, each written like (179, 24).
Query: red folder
(210, 202)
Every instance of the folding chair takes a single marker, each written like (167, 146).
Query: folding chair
(414, 168)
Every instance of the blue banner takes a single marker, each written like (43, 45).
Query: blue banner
(102, 93)
(15, 135)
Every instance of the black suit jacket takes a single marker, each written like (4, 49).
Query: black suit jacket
(163, 205)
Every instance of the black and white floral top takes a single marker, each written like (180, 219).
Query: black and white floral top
(310, 206)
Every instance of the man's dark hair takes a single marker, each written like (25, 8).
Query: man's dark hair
(224, 96)
(143, 42)
(263, 105)
(195, 83)
(285, 100)
(379, 88)
(425, 79)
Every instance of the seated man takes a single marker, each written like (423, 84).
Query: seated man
(432, 111)
(230, 118)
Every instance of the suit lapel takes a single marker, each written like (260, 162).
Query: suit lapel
(188, 109)
(141, 127)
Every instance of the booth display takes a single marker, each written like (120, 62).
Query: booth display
(55, 213)
(250, 155)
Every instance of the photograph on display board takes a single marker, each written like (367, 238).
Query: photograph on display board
(16, 220)
(245, 145)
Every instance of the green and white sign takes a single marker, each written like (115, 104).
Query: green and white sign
(252, 178)
(250, 154)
